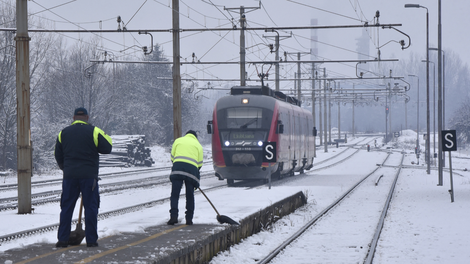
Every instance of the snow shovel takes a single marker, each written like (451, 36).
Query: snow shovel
(221, 218)
(77, 236)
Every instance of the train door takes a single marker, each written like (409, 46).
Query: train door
(306, 144)
(299, 140)
(291, 123)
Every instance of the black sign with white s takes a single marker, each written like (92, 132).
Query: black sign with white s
(449, 140)
(269, 151)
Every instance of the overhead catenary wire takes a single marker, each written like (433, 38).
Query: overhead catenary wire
(255, 52)
(324, 10)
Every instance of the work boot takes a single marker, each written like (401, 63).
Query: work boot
(91, 244)
(189, 222)
(62, 244)
(172, 221)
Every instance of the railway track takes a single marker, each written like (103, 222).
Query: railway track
(101, 216)
(109, 175)
(52, 196)
(353, 204)
(122, 210)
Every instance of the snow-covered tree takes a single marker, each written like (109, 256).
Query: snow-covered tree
(461, 122)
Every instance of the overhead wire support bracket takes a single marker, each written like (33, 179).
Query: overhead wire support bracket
(144, 48)
(402, 42)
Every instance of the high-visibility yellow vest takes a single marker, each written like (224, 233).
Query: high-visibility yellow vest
(187, 149)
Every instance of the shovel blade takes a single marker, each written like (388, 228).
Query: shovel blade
(77, 236)
(223, 219)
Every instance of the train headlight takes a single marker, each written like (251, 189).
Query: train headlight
(227, 143)
(260, 143)
(244, 100)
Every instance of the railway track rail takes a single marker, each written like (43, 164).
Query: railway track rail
(101, 216)
(11, 203)
(109, 175)
(329, 209)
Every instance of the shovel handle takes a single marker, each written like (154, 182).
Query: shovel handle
(80, 212)
(209, 201)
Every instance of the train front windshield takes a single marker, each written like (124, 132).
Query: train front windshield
(244, 126)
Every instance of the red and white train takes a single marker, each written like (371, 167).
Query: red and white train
(258, 133)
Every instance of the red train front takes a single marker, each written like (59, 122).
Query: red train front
(248, 120)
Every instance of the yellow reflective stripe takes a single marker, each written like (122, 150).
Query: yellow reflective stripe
(187, 158)
(79, 121)
(97, 131)
(60, 136)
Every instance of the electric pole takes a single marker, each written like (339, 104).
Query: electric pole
(176, 72)
(24, 155)
(325, 102)
(276, 46)
(242, 40)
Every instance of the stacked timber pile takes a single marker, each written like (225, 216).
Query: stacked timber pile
(128, 150)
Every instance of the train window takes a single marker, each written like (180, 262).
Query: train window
(246, 117)
(243, 138)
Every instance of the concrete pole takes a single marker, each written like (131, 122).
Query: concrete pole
(313, 106)
(177, 126)
(325, 109)
(428, 121)
(443, 125)
(439, 96)
(353, 132)
(386, 118)
(277, 64)
(299, 74)
(329, 113)
(406, 114)
(390, 111)
(24, 154)
(320, 130)
(339, 115)
(242, 47)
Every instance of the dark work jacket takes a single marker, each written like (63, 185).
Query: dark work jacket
(185, 171)
(77, 148)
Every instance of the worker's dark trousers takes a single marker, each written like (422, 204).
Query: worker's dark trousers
(175, 195)
(71, 189)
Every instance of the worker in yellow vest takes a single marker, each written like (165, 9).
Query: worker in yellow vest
(186, 155)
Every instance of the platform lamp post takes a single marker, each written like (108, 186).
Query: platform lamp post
(417, 119)
(428, 129)
(440, 110)
(433, 108)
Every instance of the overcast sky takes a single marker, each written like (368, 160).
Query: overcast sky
(334, 44)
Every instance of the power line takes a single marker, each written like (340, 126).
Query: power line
(266, 11)
(136, 12)
(324, 10)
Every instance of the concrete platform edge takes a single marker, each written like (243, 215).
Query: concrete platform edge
(202, 251)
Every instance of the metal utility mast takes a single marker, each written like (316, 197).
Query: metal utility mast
(242, 40)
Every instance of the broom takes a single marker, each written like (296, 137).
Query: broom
(221, 218)
(77, 236)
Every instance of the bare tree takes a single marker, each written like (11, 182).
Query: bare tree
(461, 122)
(39, 46)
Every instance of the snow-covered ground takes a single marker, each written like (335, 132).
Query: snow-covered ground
(422, 226)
